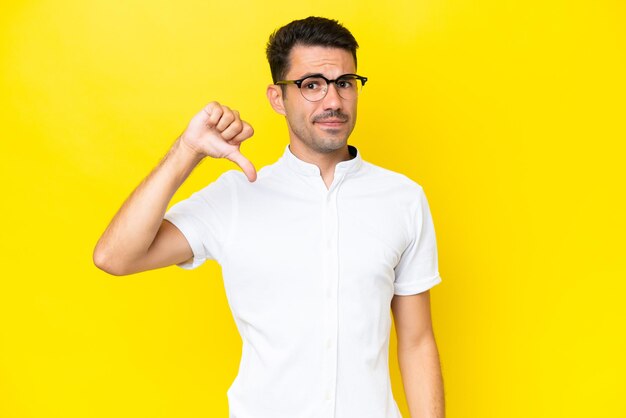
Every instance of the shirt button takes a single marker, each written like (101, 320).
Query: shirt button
(328, 343)
(328, 395)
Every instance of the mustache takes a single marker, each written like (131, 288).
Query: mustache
(331, 114)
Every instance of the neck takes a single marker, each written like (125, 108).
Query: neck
(326, 162)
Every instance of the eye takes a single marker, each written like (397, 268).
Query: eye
(312, 84)
(345, 83)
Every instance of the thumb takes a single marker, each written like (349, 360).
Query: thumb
(245, 164)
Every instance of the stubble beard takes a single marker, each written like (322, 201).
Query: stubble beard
(323, 144)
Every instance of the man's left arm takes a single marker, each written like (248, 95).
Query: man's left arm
(418, 356)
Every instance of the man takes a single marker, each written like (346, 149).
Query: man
(314, 251)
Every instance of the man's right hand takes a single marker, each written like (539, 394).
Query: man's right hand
(217, 131)
(138, 238)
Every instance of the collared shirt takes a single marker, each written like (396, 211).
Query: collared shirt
(309, 274)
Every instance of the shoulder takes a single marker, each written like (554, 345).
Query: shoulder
(234, 184)
(393, 182)
(237, 179)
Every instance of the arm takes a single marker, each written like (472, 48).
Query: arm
(138, 238)
(417, 356)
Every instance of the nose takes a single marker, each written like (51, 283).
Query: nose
(332, 100)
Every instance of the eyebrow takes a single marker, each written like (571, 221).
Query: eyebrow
(311, 75)
(321, 75)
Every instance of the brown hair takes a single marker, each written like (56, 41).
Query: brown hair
(312, 31)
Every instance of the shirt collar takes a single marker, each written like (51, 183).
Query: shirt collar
(309, 169)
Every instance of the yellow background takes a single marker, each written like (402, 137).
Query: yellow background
(510, 114)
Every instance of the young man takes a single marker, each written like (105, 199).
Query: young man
(314, 251)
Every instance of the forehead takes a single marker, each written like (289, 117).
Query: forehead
(330, 62)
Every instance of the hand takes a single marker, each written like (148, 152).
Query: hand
(217, 131)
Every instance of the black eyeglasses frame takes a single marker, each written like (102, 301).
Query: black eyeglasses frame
(298, 82)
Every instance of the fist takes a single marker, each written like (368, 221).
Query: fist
(217, 131)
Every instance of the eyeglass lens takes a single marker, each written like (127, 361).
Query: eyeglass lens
(315, 88)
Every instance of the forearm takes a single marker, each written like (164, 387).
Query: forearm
(422, 379)
(134, 227)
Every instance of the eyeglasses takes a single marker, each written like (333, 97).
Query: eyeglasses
(314, 87)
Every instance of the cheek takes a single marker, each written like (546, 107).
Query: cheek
(353, 107)
(297, 120)
(300, 114)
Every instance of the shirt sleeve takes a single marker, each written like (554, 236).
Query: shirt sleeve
(418, 269)
(204, 219)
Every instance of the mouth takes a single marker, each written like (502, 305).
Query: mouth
(330, 123)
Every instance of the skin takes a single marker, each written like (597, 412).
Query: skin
(318, 131)
(139, 239)
(418, 356)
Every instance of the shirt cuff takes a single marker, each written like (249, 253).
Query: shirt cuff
(415, 288)
(187, 229)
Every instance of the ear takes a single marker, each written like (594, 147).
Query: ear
(275, 96)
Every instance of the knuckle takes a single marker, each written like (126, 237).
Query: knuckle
(217, 111)
(228, 116)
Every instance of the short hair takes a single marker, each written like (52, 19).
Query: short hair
(312, 31)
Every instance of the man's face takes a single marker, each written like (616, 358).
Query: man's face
(325, 125)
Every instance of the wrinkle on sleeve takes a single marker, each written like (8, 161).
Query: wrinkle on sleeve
(418, 269)
(204, 219)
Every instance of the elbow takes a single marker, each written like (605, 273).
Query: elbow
(108, 263)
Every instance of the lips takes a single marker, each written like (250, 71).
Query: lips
(331, 122)
(332, 119)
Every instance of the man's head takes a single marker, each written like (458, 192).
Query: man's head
(314, 46)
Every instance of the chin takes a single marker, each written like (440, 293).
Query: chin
(330, 145)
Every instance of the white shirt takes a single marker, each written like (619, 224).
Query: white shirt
(309, 274)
